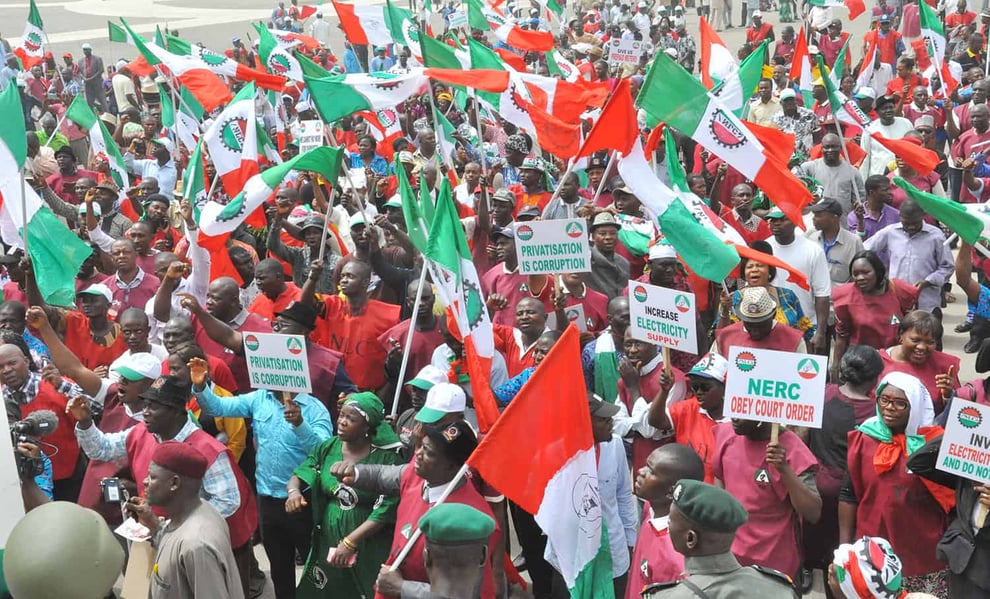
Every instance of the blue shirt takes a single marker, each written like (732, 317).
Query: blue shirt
(37, 348)
(378, 164)
(281, 446)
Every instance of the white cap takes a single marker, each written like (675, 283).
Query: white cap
(87, 47)
(757, 13)
(139, 366)
(121, 64)
(442, 399)
(164, 142)
(787, 92)
(662, 250)
(428, 377)
(712, 366)
(98, 289)
(304, 105)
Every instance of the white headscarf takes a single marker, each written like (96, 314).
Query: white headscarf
(922, 408)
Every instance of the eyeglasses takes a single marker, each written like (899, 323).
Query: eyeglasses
(898, 404)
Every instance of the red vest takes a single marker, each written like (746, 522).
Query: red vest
(781, 338)
(654, 558)
(115, 419)
(141, 445)
(64, 437)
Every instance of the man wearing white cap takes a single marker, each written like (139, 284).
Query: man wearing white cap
(92, 73)
(760, 31)
(124, 91)
(797, 120)
(160, 167)
(419, 387)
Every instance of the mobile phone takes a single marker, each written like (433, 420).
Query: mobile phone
(333, 551)
(111, 490)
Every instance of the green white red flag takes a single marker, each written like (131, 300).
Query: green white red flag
(31, 49)
(101, 142)
(277, 59)
(232, 141)
(855, 7)
(26, 221)
(484, 17)
(363, 25)
(700, 116)
(222, 65)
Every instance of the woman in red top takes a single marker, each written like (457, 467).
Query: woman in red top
(869, 308)
(916, 355)
(882, 498)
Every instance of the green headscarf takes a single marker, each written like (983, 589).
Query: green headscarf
(373, 411)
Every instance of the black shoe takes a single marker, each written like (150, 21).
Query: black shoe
(964, 327)
(805, 581)
(973, 345)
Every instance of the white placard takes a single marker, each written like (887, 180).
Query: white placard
(574, 314)
(663, 316)
(458, 18)
(627, 51)
(775, 386)
(965, 449)
(277, 362)
(553, 246)
(310, 135)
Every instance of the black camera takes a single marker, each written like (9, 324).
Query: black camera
(37, 424)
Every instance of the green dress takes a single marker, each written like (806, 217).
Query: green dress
(337, 511)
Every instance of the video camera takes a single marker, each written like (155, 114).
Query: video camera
(37, 424)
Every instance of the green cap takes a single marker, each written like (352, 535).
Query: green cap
(455, 523)
(394, 202)
(708, 506)
(775, 213)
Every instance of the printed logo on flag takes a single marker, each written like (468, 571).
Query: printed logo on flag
(251, 342)
(294, 346)
(278, 63)
(212, 58)
(574, 230)
(474, 304)
(387, 117)
(587, 505)
(746, 361)
(33, 42)
(233, 210)
(232, 133)
(970, 417)
(411, 31)
(639, 293)
(682, 303)
(725, 131)
(524, 232)
(807, 369)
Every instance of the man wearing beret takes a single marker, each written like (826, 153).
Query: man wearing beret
(193, 557)
(456, 549)
(703, 524)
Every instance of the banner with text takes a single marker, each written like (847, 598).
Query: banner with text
(775, 386)
(622, 51)
(663, 316)
(310, 135)
(553, 246)
(277, 362)
(965, 449)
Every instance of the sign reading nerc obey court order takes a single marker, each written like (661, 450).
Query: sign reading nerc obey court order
(277, 362)
(663, 316)
(553, 246)
(965, 449)
(775, 386)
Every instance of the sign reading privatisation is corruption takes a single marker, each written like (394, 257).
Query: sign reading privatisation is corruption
(663, 316)
(775, 386)
(553, 246)
(965, 449)
(277, 362)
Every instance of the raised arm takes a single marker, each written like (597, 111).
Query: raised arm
(215, 329)
(65, 360)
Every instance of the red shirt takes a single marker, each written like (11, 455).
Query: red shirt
(955, 19)
(90, 352)
(423, 344)
(64, 186)
(356, 337)
(595, 308)
(518, 355)
(12, 292)
(514, 287)
(525, 200)
(762, 229)
(756, 35)
(266, 307)
(237, 364)
(693, 428)
(937, 363)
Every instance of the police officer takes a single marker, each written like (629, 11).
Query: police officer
(456, 549)
(703, 524)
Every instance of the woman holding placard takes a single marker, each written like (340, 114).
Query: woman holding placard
(882, 498)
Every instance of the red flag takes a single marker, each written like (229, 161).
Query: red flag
(921, 56)
(709, 40)
(524, 436)
(487, 80)
(910, 150)
(856, 8)
(778, 145)
(856, 153)
(560, 138)
(616, 127)
(512, 59)
(794, 275)
(653, 141)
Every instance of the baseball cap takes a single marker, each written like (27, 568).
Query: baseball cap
(532, 163)
(885, 18)
(504, 195)
(865, 92)
(98, 289)
(887, 99)
(442, 399)
(507, 231)
(775, 213)
(787, 94)
(168, 390)
(427, 377)
(828, 205)
(141, 365)
(527, 213)
(755, 305)
(757, 13)
(711, 366)
(313, 221)
(601, 409)
(394, 202)
(87, 46)
(164, 142)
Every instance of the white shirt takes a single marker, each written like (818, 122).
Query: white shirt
(877, 156)
(166, 174)
(807, 257)
(639, 421)
(320, 29)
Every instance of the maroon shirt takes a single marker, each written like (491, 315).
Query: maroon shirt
(131, 296)
(64, 186)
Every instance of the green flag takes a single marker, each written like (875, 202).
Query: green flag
(416, 224)
(953, 215)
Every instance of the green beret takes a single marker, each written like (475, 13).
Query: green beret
(708, 506)
(453, 523)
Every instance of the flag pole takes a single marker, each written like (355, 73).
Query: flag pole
(58, 125)
(845, 153)
(24, 231)
(409, 339)
(481, 135)
(326, 220)
(418, 532)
